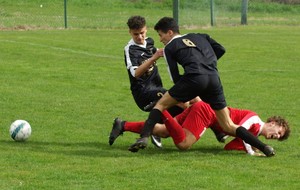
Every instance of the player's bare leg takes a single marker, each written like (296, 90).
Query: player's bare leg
(187, 143)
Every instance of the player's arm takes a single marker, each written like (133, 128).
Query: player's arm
(218, 48)
(249, 149)
(247, 122)
(252, 150)
(144, 67)
(148, 63)
(172, 66)
(132, 63)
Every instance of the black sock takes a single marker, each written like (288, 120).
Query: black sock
(216, 132)
(175, 110)
(249, 138)
(154, 117)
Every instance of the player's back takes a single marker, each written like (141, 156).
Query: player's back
(194, 53)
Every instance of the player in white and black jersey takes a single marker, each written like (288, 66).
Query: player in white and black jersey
(145, 82)
(146, 86)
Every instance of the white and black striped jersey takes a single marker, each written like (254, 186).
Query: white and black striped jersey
(135, 55)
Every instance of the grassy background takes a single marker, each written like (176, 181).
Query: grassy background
(95, 14)
(71, 84)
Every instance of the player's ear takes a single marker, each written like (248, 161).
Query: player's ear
(170, 32)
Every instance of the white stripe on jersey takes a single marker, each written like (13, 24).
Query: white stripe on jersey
(252, 120)
(202, 132)
(129, 65)
(247, 124)
(168, 68)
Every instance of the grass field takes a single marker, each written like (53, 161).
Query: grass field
(71, 84)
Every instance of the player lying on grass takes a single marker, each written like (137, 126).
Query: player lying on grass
(188, 127)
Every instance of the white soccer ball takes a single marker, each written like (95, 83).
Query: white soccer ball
(20, 130)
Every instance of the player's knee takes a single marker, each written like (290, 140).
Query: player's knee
(161, 133)
(183, 146)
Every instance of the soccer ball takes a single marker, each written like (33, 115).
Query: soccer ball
(20, 130)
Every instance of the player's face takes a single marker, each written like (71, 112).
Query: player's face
(138, 35)
(165, 37)
(275, 131)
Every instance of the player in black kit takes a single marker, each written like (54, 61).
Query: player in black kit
(145, 82)
(197, 54)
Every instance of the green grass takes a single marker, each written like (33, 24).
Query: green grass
(71, 84)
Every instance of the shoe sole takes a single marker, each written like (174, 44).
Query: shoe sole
(155, 142)
(112, 137)
(137, 146)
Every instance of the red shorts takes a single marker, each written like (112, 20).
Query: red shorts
(197, 118)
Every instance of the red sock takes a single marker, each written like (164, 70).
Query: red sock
(135, 127)
(175, 130)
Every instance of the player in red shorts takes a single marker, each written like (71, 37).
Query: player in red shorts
(188, 127)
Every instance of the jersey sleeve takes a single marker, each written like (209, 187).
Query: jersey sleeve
(130, 61)
(218, 48)
(172, 66)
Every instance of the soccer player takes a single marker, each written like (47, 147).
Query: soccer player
(145, 82)
(188, 127)
(197, 54)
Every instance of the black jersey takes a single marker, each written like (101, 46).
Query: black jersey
(145, 87)
(196, 53)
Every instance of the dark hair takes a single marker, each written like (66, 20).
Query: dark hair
(136, 22)
(167, 23)
(281, 122)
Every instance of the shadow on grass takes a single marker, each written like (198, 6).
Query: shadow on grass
(98, 149)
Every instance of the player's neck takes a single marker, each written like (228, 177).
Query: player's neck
(264, 129)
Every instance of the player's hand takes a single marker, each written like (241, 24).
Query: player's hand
(160, 52)
(195, 100)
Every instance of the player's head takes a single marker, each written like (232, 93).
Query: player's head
(166, 28)
(167, 23)
(137, 29)
(278, 128)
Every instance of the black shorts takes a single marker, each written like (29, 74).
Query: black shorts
(144, 98)
(207, 87)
